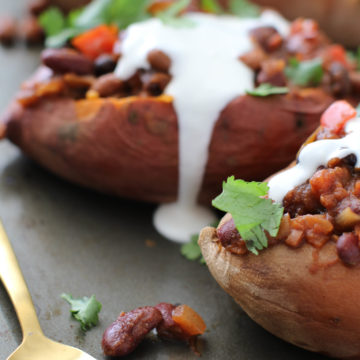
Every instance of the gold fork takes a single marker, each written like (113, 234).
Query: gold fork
(35, 345)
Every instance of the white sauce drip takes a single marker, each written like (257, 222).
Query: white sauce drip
(206, 76)
(314, 155)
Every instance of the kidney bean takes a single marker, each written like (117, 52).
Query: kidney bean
(348, 249)
(267, 37)
(31, 30)
(125, 334)
(167, 328)
(105, 64)
(156, 83)
(230, 238)
(109, 84)
(159, 60)
(272, 72)
(254, 58)
(67, 61)
(36, 7)
(339, 80)
(7, 30)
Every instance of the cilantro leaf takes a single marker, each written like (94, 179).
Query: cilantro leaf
(309, 72)
(52, 21)
(60, 29)
(211, 6)
(191, 250)
(170, 16)
(85, 310)
(244, 8)
(268, 89)
(252, 213)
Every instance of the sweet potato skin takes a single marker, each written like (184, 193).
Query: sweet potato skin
(292, 293)
(129, 147)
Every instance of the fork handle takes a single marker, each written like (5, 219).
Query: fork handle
(15, 285)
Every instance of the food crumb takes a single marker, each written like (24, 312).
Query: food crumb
(150, 243)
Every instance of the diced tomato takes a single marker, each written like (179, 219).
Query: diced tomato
(189, 320)
(335, 53)
(337, 115)
(97, 41)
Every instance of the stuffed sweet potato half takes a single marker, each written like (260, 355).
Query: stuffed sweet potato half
(304, 287)
(77, 118)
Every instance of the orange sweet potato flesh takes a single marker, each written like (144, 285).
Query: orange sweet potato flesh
(129, 147)
(189, 320)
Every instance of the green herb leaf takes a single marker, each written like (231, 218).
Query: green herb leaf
(244, 8)
(171, 17)
(85, 310)
(252, 213)
(309, 72)
(52, 21)
(119, 12)
(268, 89)
(96, 13)
(191, 250)
(126, 12)
(62, 38)
(211, 6)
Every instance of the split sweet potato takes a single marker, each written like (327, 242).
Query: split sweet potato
(129, 146)
(304, 287)
(313, 306)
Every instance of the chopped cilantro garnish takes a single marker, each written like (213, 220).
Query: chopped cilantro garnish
(268, 89)
(303, 73)
(52, 21)
(191, 250)
(211, 6)
(85, 310)
(171, 17)
(252, 213)
(59, 29)
(244, 8)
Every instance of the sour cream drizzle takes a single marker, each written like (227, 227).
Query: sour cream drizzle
(206, 76)
(314, 155)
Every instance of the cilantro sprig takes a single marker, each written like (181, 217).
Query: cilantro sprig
(60, 28)
(303, 73)
(252, 213)
(171, 16)
(191, 250)
(267, 90)
(212, 6)
(244, 8)
(85, 310)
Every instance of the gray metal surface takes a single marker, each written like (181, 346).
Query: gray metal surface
(68, 239)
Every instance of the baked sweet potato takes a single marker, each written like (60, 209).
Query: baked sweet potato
(76, 118)
(304, 287)
(316, 310)
(129, 147)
